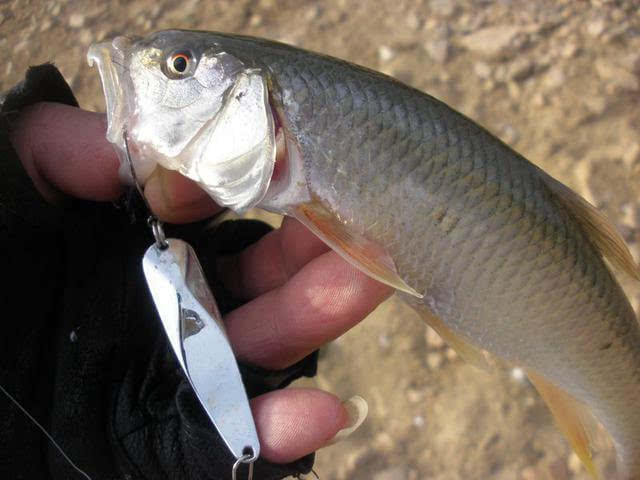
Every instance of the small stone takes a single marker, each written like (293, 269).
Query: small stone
(518, 375)
(45, 25)
(255, 20)
(155, 11)
(627, 217)
(351, 460)
(488, 85)
(631, 62)
(509, 135)
(385, 53)
(414, 395)
(596, 105)
(514, 90)
(554, 78)
(444, 76)
(86, 37)
(451, 354)
(438, 50)
(384, 341)
(433, 339)
(431, 24)
(494, 41)
(529, 473)
(9, 68)
(574, 463)
(631, 157)
(312, 13)
(418, 421)
(55, 10)
(413, 22)
(539, 100)
(482, 69)
(445, 8)
(617, 77)
(569, 50)
(519, 69)
(596, 27)
(76, 20)
(434, 360)
(383, 443)
(500, 73)
(20, 46)
(393, 473)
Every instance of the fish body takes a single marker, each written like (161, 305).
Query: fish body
(415, 194)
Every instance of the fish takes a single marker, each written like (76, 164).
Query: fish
(500, 258)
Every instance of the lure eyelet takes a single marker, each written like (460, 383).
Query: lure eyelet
(179, 64)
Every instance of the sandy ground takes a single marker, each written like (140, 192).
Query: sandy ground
(557, 80)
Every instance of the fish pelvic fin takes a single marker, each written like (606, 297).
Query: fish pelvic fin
(572, 418)
(599, 229)
(360, 252)
(470, 353)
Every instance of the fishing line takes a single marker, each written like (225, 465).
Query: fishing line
(42, 429)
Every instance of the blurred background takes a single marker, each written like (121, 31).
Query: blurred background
(557, 80)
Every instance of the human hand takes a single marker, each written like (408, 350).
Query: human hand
(299, 294)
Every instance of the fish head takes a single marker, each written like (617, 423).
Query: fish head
(185, 103)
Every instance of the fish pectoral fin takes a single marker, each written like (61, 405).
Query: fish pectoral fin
(572, 418)
(470, 353)
(362, 253)
(598, 228)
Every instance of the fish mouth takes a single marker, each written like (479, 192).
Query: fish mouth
(111, 59)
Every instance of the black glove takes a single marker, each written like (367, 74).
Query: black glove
(81, 342)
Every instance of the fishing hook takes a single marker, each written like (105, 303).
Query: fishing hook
(153, 221)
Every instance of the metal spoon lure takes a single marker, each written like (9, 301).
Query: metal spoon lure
(196, 332)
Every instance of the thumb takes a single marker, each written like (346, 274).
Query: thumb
(64, 151)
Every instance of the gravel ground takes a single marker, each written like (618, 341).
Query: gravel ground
(557, 80)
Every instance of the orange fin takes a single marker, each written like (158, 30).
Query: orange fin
(572, 418)
(468, 352)
(363, 254)
(598, 228)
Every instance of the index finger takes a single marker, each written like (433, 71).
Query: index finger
(65, 152)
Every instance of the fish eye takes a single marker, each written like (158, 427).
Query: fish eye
(179, 64)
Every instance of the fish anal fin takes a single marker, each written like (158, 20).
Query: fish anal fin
(572, 418)
(597, 226)
(470, 353)
(362, 253)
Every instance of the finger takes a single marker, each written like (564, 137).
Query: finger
(295, 422)
(176, 199)
(322, 301)
(270, 262)
(65, 152)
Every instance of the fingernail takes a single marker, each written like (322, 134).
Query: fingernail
(357, 410)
